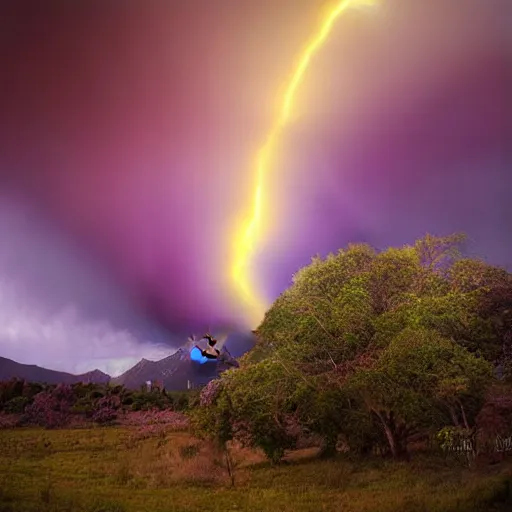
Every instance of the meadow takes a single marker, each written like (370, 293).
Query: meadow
(139, 469)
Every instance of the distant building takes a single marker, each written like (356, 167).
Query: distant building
(152, 385)
(157, 384)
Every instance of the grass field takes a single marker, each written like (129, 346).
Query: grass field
(121, 470)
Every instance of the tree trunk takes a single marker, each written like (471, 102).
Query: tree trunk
(466, 424)
(229, 464)
(396, 435)
(454, 416)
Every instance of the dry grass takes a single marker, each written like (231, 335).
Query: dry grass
(117, 470)
(184, 460)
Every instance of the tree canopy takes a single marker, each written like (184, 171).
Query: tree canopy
(375, 346)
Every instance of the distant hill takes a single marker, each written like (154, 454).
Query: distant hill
(32, 373)
(176, 371)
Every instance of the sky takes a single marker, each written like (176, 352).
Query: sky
(128, 135)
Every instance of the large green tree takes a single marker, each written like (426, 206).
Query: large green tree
(401, 340)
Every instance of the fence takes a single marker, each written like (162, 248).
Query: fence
(465, 445)
(503, 445)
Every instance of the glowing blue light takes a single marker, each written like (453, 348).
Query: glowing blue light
(196, 356)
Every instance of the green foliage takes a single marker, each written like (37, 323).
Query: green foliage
(15, 388)
(181, 400)
(16, 405)
(99, 403)
(261, 405)
(252, 407)
(143, 400)
(372, 346)
(419, 371)
(212, 417)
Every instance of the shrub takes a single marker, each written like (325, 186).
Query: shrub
(16, 405)
(106, 409)
(50, 408)
(9, 421)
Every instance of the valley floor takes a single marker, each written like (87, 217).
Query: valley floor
(130, 470)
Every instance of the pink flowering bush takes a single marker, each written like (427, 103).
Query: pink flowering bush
(154, 423)
(80, 404)
(210, 392)
(106, 409)
(171, 419)
(242, 433)
(51, 408)
(9, 420)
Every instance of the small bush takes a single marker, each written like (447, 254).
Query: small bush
(9, 421)
(16, 405)
(51, 408)
(189, 451)
(106, 409)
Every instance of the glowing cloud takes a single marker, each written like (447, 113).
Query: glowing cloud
(247, 236)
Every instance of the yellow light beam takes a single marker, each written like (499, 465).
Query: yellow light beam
(246, 237)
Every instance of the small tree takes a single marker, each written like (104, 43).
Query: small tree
(212, 420)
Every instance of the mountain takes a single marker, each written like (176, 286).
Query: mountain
(176, 371)
(11, 369)
(94, 376)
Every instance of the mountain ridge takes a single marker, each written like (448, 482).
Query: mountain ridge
(10, 369)
(176, 372)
